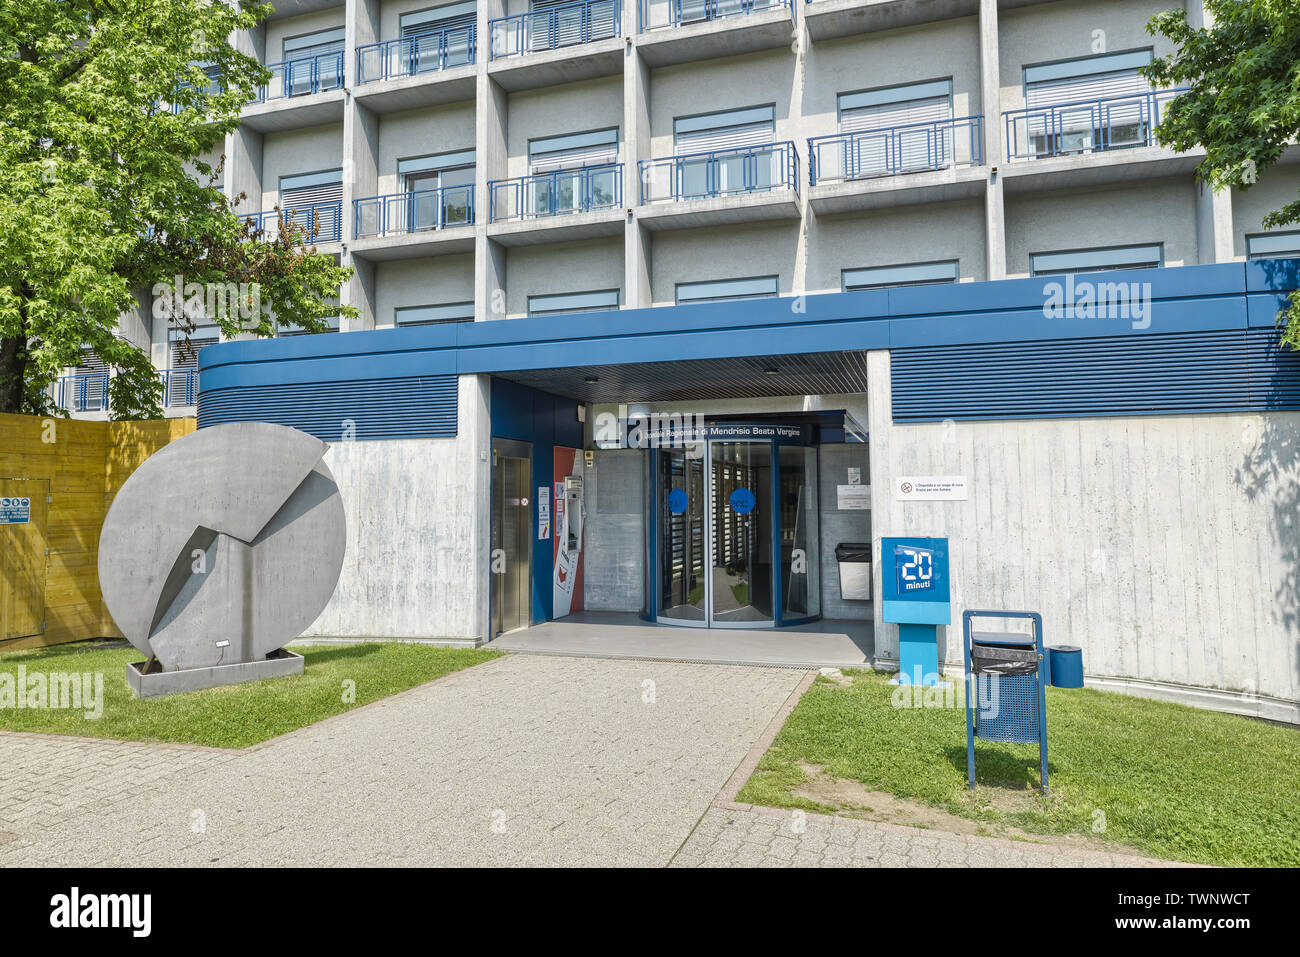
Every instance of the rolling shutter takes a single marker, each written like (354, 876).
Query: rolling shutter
(734, 129)
(427, 46)
(902, 128)
(573, 152)
(322, 192)
(1122, 121)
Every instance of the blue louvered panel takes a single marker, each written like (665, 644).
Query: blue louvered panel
(407, 408)
(1275, 379)
(1218, 371)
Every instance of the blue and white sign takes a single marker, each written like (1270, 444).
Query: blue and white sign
(15, 511)
(914, 581)
(678, 500)
(742, 501)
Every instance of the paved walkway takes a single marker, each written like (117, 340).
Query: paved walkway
(526, 760)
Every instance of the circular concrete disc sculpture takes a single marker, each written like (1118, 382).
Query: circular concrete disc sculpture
(223, 546)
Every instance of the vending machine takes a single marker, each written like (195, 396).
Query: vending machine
(570, 509)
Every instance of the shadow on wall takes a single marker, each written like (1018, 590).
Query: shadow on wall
(1270, 471)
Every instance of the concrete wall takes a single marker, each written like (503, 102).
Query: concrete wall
(759, 249)
(1277, 187)
(277, 31)
(1157, 211)
(561, 267)
(890, 237)
(417, 513)
(312, 150)
(558, 111)
(422, 282)
(1164, 546)
(421, 133)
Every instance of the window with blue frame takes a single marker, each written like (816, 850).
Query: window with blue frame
(1086, 104)
(912, 274)
(314, 201)
(595, 301)
(571, 173)
(1284, 245)
(436, 38)
(434, 315)
(1097, 260)
(440, 192)
(313, 62)
(894, 130)
(725, 290)
(726, 152)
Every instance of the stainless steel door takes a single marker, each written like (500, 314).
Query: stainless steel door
(512, 553)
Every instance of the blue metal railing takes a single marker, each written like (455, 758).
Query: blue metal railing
(180, 386)
(81, 392)
(414, 212)
(322, 222)
(1086, 126)
(552, 27)
(312, 74)
(720, 173)
(410, 56)
(657, 14)
(557, 193)
(889, 151)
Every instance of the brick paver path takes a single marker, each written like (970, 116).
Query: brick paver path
(524, 760)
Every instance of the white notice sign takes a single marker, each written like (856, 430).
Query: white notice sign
(930, 488)
(849, 497)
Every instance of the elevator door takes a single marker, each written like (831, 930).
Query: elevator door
(512, 553)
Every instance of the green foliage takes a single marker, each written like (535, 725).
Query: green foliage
(237, 715)
(104, 191)
(1172, 781)
(1243, 107)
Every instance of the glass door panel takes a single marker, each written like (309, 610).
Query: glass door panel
(741, 559)
(800, 560)
(682, 510)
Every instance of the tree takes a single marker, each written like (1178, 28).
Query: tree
(1243, 106)
(107, 108)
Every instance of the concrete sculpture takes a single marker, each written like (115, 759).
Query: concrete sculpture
(221, 548)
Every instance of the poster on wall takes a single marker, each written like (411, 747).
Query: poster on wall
(853, 497)
(930, 488)
(566, 547)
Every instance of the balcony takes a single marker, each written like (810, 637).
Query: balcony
(308, 83)
(415, 223)
(314, 74)
(180, 387)
(536, 48)
(412, 72)
(860, 169)
(82, 392)
(721, 187)
(1091, 142)
(679, 31)
(559, 206)
(322, 222)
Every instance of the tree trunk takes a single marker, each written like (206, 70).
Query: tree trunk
(13, 369)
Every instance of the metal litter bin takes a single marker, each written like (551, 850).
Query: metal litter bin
(1005, 700)
(854, 559)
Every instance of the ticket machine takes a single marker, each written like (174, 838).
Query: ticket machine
(914, 589)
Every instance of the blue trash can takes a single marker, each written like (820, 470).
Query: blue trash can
(1066, 665)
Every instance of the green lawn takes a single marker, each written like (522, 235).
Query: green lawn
(238, 715)
(1172, 781)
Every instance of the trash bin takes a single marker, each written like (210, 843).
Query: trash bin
(1067, 665)
(854, 559)
(1007, 672)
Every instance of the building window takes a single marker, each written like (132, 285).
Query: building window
(1097, 260)
(886, 277)
(726, 152)
(439, 37)
(597, 301)
(442, 192)
(909, 124)
(726, 290)
(1062, 102)
(434, 315)
(288, 329)
(314, 201)
(314, 61)
(1273, 246)
(572, 173)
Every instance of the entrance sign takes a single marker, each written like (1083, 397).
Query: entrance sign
(742, 501)
(931, 488)
(914, 585)
(15, 511)
(853, 497)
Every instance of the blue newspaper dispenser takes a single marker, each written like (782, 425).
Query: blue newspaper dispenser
(914, 586)
(1006, 677)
